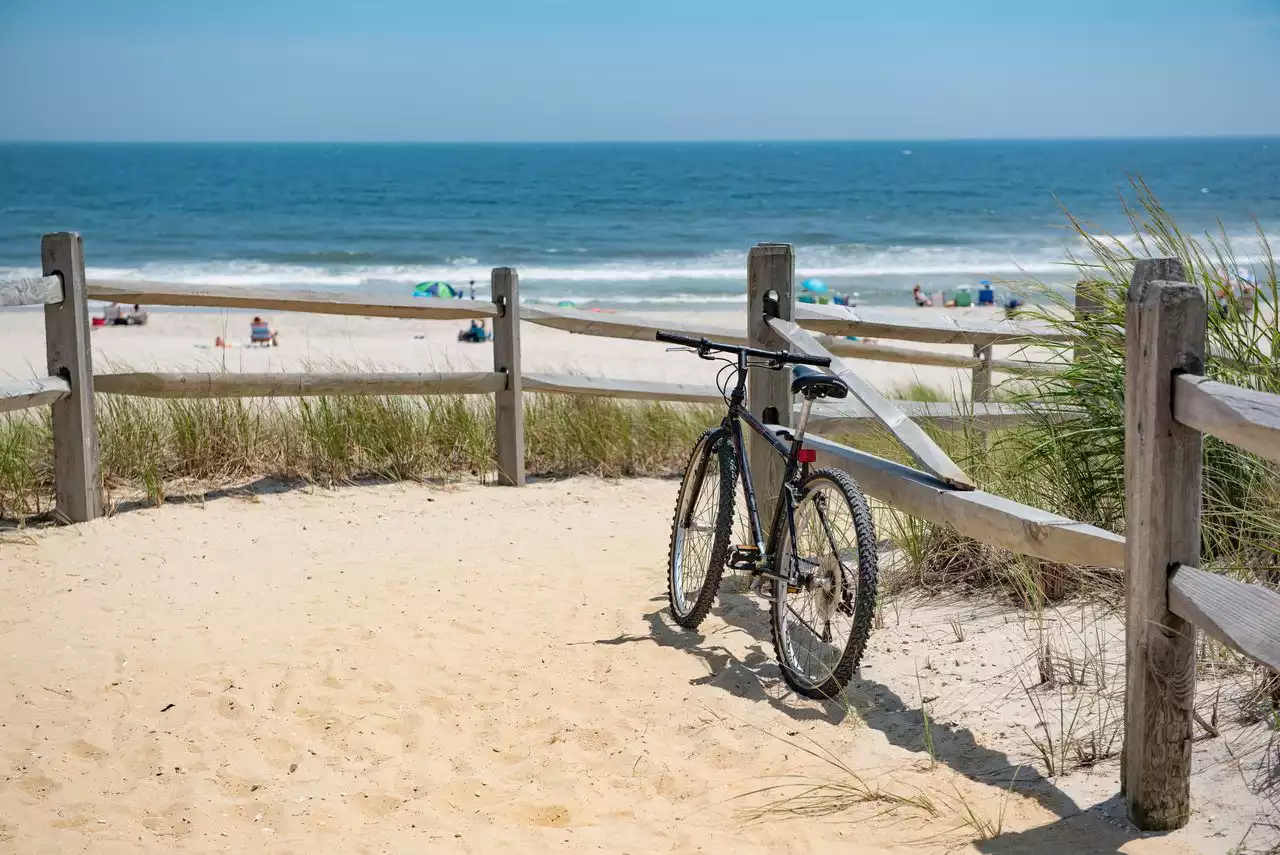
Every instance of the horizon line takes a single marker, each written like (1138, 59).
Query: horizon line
(624, 141)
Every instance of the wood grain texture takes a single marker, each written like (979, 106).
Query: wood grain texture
(826, 417)
(623, 326)
(25, 394)
(925, 325)
(831, 418)
(509, 399)
(280, 300)
(235, 385)
(975, 513)
(606, 387)
(918, 443)
(77, 477)
(980, 389)
(911, 356)
(33, 291)
(771, 269)
(1245, 616)
(1242, 417)
(1165, 334)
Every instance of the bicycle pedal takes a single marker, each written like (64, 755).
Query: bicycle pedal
(744, 558)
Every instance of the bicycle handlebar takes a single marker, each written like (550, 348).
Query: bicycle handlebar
(705, 345)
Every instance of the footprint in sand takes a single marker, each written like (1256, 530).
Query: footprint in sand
(229, 708)
(88, 751)
(543, 816)
(38, 785)
(171, 822)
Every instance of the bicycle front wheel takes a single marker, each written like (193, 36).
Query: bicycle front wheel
(822, 617)
(700, 531)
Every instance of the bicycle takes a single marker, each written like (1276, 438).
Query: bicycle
(818, 556)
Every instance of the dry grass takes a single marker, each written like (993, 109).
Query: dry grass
(150, 446)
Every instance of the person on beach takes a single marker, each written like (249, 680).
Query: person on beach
(921, 300)
(113, 315)
(138, 317)
(476, 333)
(261, 333)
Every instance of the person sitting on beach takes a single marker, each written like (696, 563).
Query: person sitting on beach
(920, 298)
(113, 315)
(476, 333)
(138, 317)
(261, 333)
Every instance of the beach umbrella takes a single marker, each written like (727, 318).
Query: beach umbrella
(435, 289)
(817, 286)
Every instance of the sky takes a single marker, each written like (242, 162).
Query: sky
(580, 70)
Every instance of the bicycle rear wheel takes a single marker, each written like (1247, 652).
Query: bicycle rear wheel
(821, 623)
(701, 528)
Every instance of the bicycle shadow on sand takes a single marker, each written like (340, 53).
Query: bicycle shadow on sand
(755, 676)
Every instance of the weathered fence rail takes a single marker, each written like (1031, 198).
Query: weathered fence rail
(1169, 405)
(311, 302)
(282, 385)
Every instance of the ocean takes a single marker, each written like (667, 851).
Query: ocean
(612, 225)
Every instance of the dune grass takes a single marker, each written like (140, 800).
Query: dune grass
(152, 446)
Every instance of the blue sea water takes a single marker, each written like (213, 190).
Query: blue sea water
(611, 224)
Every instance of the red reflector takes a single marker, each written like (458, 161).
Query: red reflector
(807, 455)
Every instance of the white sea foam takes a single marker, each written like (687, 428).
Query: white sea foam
(930, 264)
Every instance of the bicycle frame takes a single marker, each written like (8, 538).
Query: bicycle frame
(788, 449)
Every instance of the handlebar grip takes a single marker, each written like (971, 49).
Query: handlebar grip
(673, 338)
(802, 359)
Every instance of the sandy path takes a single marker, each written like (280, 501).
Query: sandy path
(401, 668)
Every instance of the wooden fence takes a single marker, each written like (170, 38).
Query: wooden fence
(1168, 406)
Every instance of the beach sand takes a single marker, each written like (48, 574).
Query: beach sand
(183, 340)
(406, 668)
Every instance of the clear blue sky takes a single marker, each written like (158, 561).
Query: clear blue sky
(610, 70)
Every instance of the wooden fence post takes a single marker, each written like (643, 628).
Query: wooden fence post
(980, 391)
(509, 402)
(1164, 335)
(76, 473)
(770, 268)
(1088, 303)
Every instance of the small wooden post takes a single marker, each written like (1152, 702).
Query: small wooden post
(509, 402)
(770, 269)
(76, 474)
(1088, 303)
(981, 387)
(1164, 335)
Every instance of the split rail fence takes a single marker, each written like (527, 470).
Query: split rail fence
(1169, 406)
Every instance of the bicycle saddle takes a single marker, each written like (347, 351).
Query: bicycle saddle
(817, 384)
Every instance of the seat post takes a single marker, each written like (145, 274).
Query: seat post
(804, 420)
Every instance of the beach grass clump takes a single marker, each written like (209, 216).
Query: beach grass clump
(1069, 456)
(1075, 466)
(154, 446)
(26, 463)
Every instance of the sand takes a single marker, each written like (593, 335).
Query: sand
(405, 668)
(177, 340)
